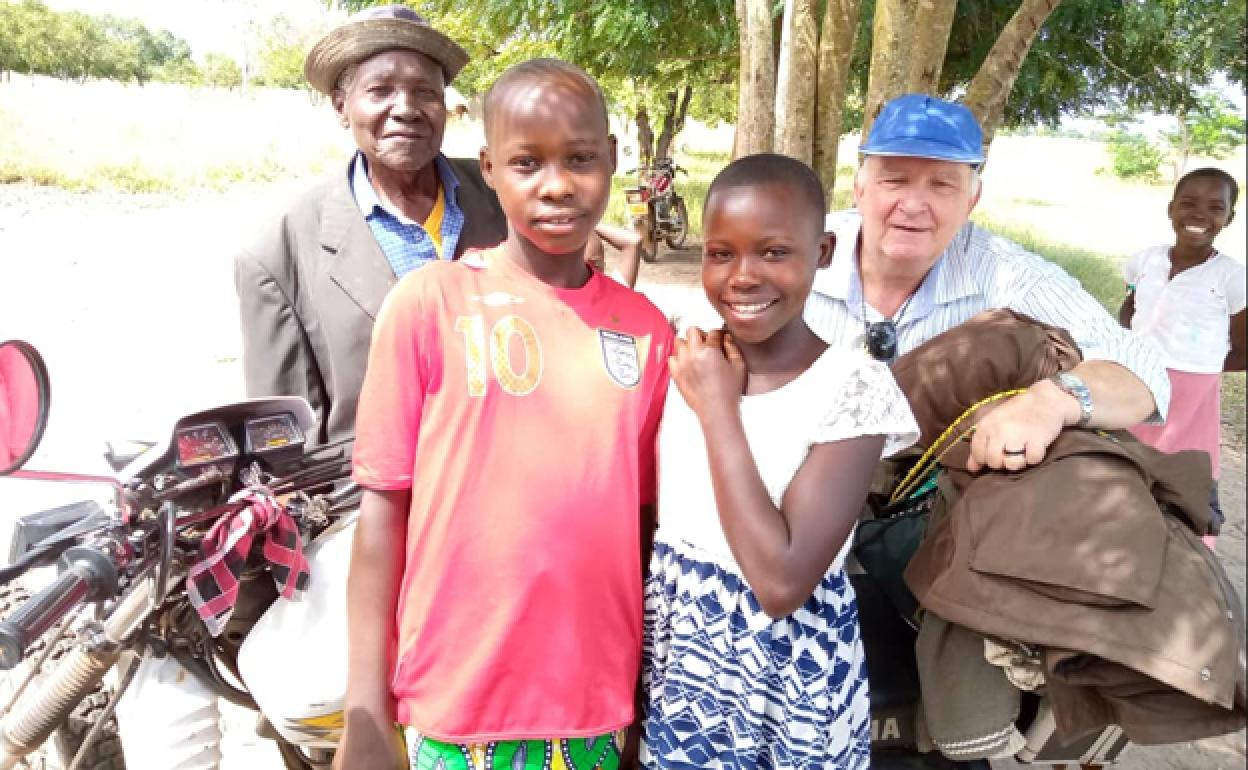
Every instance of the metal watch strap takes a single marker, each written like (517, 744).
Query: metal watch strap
(1076, 388)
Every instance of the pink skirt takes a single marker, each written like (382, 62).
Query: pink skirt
(1194, 420)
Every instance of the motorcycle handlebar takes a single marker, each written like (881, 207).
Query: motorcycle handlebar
(90, 572)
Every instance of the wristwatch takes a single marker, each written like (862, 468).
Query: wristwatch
(1076, 387)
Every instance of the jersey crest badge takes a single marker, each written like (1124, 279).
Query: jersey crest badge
(619, 353)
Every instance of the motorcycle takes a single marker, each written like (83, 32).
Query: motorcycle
(656, 210)
(126, 610)
(176, 589)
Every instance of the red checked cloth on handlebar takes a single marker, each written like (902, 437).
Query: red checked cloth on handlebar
(212, 584)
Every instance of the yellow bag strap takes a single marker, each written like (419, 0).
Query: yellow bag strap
(931, 457)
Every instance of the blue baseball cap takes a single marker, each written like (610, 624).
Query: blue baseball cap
(922, 126)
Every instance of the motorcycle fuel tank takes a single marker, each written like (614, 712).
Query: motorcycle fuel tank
(294, 660)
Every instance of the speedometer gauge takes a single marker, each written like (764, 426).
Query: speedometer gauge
(276, 433)
(204, 444)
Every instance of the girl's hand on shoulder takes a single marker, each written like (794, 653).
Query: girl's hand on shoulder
(709, 372)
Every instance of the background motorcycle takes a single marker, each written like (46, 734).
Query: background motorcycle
(119, 613)
(656, 210)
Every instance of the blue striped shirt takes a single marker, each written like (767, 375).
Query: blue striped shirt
(978, 271)
(403, 240)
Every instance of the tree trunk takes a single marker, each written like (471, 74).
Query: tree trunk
(645, 140)
(836, 47)
(1184, 148)
(932, 25)
(756, 115)
(892, 50)
(795, 81)
(673, 121)
(743, 72)
(989, 90)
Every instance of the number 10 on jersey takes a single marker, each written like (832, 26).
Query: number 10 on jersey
(496, 346)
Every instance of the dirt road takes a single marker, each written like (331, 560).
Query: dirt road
(131, 300)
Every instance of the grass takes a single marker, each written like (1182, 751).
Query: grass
(160, 138)
(1234, 414)
(1097, 272)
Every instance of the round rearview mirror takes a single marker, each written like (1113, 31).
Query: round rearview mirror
(24, 400)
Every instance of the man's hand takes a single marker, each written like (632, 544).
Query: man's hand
(709, 371)
(1017, 433)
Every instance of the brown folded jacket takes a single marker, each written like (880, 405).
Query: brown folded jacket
(1093, 551)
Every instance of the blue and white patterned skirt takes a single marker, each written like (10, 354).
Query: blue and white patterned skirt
(729, 688)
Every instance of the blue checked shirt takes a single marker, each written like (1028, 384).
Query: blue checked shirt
(404, 241)
(978, 271)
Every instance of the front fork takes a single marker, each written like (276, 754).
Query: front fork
(38, 713)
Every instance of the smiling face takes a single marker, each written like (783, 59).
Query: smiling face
(395, 107)
(1200, 209)
(912, 207)
(550, 159)
(762, 246)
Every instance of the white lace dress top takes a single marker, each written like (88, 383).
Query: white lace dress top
(728, 687)
(842, 395)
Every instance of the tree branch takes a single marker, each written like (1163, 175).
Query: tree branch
(1112, 64)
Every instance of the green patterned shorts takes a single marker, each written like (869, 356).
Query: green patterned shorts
(599, 753)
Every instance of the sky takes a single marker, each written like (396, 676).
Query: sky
(206, 25)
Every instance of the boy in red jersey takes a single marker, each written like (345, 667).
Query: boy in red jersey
(505, 440)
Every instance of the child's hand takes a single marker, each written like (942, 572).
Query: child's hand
(595, 256)
(370, 743)
(620, 238)
(628, 243)
(709, 371)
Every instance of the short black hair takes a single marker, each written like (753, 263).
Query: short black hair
(541, 69)
(1210, 173)
(769, 168)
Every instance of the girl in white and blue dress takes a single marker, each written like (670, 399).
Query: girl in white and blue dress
(753, 656)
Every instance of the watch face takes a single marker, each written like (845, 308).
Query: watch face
(1079, 391)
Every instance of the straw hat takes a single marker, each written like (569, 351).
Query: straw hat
(374, 31)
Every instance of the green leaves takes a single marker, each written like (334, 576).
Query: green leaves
(37, 40)
(1134, 157)
(1211, 129)
(639, 50)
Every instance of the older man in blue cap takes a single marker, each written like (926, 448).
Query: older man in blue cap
(909, 265)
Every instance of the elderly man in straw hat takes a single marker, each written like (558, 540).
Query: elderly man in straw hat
(310, 286)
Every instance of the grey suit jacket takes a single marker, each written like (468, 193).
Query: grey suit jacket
(309, 290)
